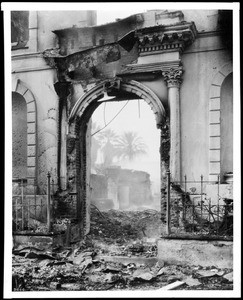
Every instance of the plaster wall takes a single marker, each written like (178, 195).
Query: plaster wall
(73, 40)
(42, 23)
(158, 86)
(205, 20)
(54, 20)
(200, 68)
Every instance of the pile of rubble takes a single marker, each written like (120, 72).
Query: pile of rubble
(122, 226)
(120, 252)
(35, 269)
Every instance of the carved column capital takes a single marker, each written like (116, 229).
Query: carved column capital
(173, 76)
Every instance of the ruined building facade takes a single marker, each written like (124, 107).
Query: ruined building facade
(179, 62)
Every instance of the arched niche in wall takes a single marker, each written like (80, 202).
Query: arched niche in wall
(28, 114)
(221, 113)
(226, 126)
(19, 136)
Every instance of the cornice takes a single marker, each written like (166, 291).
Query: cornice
(26, 56)
(32, 69)
(166, 37)
(202, 34)
(150, 67)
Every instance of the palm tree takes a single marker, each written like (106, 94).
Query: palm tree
(107, 139)
(130, 145)
(95, 143)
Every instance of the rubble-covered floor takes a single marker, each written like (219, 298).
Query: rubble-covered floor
(88, 265)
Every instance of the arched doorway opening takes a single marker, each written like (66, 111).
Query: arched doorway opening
(78, 167)
(125, 140)
(124, 174)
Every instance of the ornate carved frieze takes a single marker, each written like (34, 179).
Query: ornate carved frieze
(173, 76)
(166, 37)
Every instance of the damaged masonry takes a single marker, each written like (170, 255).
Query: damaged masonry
(84, 218)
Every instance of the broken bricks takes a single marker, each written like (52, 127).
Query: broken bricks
(81, 268)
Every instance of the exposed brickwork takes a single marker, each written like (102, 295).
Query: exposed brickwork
(62, 89)
(164, 160)
(64, 206)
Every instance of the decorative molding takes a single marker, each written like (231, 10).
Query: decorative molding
(166, 37)
(35, 69)
(130, 86)
(149, 68)
(26, 55)
(215, 120)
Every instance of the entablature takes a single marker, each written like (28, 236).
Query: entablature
(166, 37)
(157, 67)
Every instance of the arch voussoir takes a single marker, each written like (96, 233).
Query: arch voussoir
(131, 86)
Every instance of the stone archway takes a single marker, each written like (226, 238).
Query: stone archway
(130, 86)
(76, 141)
(25, 92)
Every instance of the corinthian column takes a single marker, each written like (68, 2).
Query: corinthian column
(173, 79)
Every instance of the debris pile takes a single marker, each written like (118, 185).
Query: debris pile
(36, 269)
(123, 226)
(120, 252)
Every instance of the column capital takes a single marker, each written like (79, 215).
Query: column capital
(173, 76)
